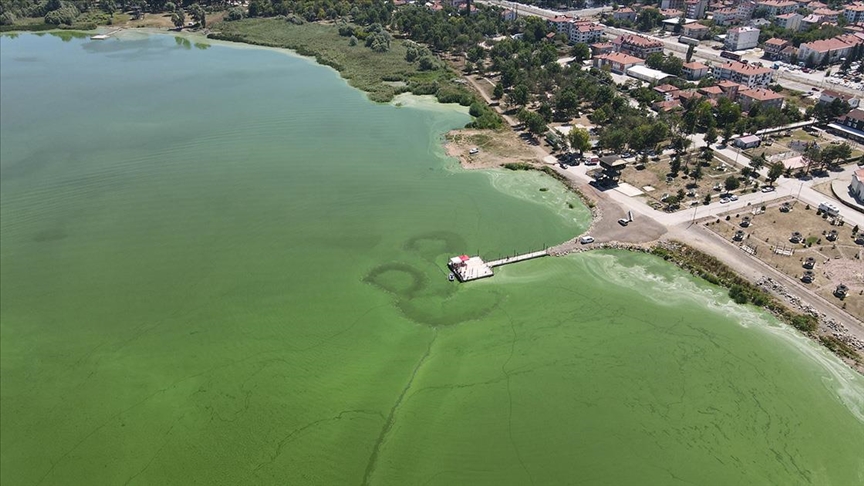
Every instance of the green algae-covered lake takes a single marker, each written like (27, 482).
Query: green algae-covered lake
(224, 266)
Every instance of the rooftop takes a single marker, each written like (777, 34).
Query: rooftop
(621, 58)
(760, 94)
(665, 88)
(827, 45)
(744, 69)
(694, 66)
(774, 41)
(637, 40)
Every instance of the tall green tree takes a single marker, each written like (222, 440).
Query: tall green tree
(775, 170)
(579, 139)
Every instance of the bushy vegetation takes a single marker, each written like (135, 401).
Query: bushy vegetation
(740, 290)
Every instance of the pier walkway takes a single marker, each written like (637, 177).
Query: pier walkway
(518, 258)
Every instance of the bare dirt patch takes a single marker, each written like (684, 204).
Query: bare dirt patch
(494, 148)
(836, 262)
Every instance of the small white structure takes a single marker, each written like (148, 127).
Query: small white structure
(829, 208)
(469, 268)
(749, 141)
(646, 74)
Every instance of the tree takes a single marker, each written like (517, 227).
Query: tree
(580, 52)
(519, 96)
(690, 51)
(696, 173)
(535, 123)
(498, 91)
(758, 162)
(728, 132)
(775, 170)
(198, 14)
(711, 136)
(731, 183)
(833, 154)
(178, 18)
(579, 139)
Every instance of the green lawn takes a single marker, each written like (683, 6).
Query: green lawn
(362, 67)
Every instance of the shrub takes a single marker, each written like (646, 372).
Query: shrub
(63, 15)
(236, 13)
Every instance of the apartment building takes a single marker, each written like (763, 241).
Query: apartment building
(740, 38)
(749, 75)
(636, 45)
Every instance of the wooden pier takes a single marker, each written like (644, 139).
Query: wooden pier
(467, 268)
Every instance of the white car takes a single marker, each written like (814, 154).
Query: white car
(586, 239)
(623, 221)
(474, 151)
(768, 189)
(724, 200)
(733, 197)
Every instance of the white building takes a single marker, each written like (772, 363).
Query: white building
(740, 38)
(856, 188)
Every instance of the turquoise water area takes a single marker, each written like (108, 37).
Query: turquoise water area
(225, 266)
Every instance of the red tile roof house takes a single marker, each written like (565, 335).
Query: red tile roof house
(828, 51)
(773, 46)
(747, 74)
(828, 96)
(667, 91)
(602, 48)
(766, 98)
(636, 45)
(694, 70)
(618, 62)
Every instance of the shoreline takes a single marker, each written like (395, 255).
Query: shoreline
(656, 245)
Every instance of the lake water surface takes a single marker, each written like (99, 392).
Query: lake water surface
(223, 265)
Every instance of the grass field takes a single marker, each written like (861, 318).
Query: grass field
(365, 69)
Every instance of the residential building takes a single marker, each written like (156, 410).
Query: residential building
(750, 75)
(787, 52)
(740, 38)
(789, 21)
(828, 96)
(745, 10)
(726, 16)
(826, 51)
(561, 24)
(671, 13)
(602, 48)
(636, 45)
(810, 21)
(696, 31)
(774, 46)
(672, 4)
(585, 32)
(694, 71)
(711, 92)
(618, 62)
(695, 9)
(850, 125)
(667, 91)
(730, 89)
(854, 13)
(777, 7)
(765, 98)
(508, 15)
(828, 15)
(664, 106)
(626, 14)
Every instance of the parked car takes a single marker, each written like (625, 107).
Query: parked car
(733, 197)
(768, 189)
(586, 239)
(724, 200)
(474, 151)
(623, 221)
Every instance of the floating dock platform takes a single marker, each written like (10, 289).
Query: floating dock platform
(467, 268)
